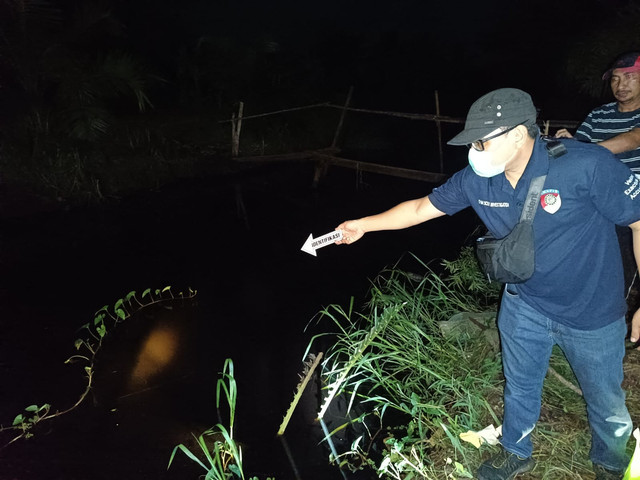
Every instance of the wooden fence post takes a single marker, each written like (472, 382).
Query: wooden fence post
(545, 128)
(334, 144)
(236, 125)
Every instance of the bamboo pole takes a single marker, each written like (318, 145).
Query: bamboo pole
(383, 169)
(545, 128)
(439, 127)
(319, 155)
(342, 115)
(409, 116)
(441, 118)
(277, 112)
(236, 125)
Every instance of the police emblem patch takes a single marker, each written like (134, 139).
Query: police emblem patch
(550, 200)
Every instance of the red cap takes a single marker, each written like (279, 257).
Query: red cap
(628, 62)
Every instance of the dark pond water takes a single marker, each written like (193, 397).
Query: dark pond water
(156, 375)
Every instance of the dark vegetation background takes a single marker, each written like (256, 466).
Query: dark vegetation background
(102, 98)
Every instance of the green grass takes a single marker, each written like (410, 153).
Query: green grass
(220, 454)
(422, 388)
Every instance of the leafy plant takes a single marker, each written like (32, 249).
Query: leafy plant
(31, 415)
(465, 274)
(223, 459)
(87, 348)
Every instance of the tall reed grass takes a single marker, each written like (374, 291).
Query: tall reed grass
(220, 454)
(416, 389)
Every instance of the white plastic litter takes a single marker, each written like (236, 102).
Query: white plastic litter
(488, 435)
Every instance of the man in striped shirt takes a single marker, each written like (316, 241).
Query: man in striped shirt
(616, 125)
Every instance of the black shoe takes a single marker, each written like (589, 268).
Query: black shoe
(606, 474)
(504, 466)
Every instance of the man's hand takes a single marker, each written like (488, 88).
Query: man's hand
(635, 328)
(404, 215)
(563, 133)
(351, 232)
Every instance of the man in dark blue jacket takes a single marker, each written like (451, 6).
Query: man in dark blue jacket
(575, 296)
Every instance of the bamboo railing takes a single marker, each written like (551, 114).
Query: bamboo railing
(327, 156)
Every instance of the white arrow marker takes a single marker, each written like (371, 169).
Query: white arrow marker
(311, 245)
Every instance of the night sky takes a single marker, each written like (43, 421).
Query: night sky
(405, 49)
(395, 53)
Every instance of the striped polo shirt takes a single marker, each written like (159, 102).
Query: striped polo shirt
(605, 122)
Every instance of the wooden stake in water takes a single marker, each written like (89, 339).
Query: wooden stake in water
(309, 368)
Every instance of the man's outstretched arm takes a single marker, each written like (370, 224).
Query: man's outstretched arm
(403, 215)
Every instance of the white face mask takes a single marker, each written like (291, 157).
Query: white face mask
(482, 163)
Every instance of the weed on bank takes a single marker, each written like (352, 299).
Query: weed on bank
(421, 365)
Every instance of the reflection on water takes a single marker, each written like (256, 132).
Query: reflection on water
(157, 352)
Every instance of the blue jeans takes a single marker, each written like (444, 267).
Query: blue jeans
(595, 356)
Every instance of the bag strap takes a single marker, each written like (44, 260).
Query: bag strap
(531, 203)
(555, 149)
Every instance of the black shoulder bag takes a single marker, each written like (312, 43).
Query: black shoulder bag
(511, 259)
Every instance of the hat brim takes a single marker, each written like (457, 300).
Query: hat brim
(608, 73)
(468, 136)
